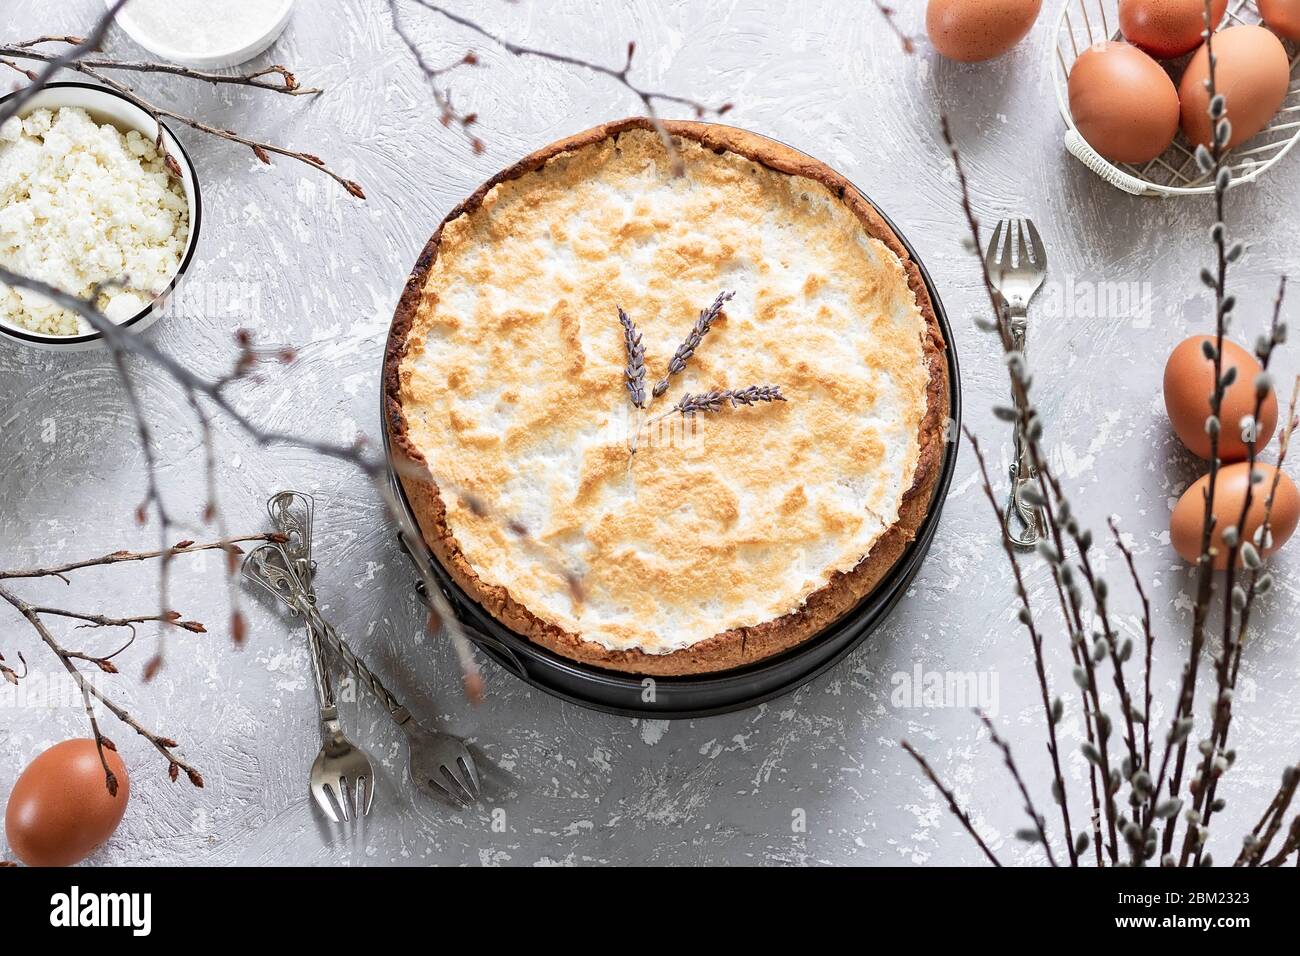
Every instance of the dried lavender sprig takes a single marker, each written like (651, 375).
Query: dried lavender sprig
(716, 400)
(635, 369)
(687, 348)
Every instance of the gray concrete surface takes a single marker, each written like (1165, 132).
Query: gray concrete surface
(816, 777)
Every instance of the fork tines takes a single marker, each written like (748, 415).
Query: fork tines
(459, 782)
(1015, 244)
(343, 800)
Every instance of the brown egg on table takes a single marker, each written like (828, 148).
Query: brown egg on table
(972, 31)
(1166, 28)
(60, 810)
(1282, 17)
(1188, 519)
(1252, 74)
(1189, 380)
(1123, 102)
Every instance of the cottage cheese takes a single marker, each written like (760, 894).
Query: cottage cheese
(81, 204)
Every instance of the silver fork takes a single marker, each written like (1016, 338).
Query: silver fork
(342, 779)
(440, 764)
(1017, 263)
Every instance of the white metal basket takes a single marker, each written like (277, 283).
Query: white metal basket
(1174, 173)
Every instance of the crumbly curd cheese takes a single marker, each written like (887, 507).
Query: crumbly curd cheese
(83, 203)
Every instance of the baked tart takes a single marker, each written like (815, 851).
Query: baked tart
(693, 532)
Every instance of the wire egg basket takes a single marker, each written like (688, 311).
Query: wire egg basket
(1173, 173)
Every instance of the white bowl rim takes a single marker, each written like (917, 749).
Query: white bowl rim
(44, 338)
(212, 61)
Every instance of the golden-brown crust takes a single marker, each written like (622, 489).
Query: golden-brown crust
(733, 648)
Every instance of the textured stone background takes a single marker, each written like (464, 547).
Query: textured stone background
(322, 271)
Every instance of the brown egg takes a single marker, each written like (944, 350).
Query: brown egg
(1188, 519)
(1189, 380)
(1166, 28)
(972, 31)
(60, 809)
(1282, 16)
(1253, 73)
(1123, 102)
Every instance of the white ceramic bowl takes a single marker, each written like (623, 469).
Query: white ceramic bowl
(107, 106)
(214, 59)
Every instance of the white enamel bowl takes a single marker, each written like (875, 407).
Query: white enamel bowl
(107, 106)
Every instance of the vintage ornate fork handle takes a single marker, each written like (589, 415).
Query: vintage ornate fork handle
(440, 765)
(279, 577)
(292, 514)
(357, 665)
(1015, 262)
(1024, 525)
(329, 712)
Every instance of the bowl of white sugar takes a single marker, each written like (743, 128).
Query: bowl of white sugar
(207, 34)
(97, 201)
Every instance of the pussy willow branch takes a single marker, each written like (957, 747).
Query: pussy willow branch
(1050, 709)
(1060, 521)
(1106, 647)
(620, 75)
(1148, 635)
(1258, 580)
(1040, 829)
(1110, 645)
(1212, 766)
(1216, 758)
(1217, 281)
(1139, 829)
(1068, 592)
(962, 816)
(1291, 845)
(1262, 834)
